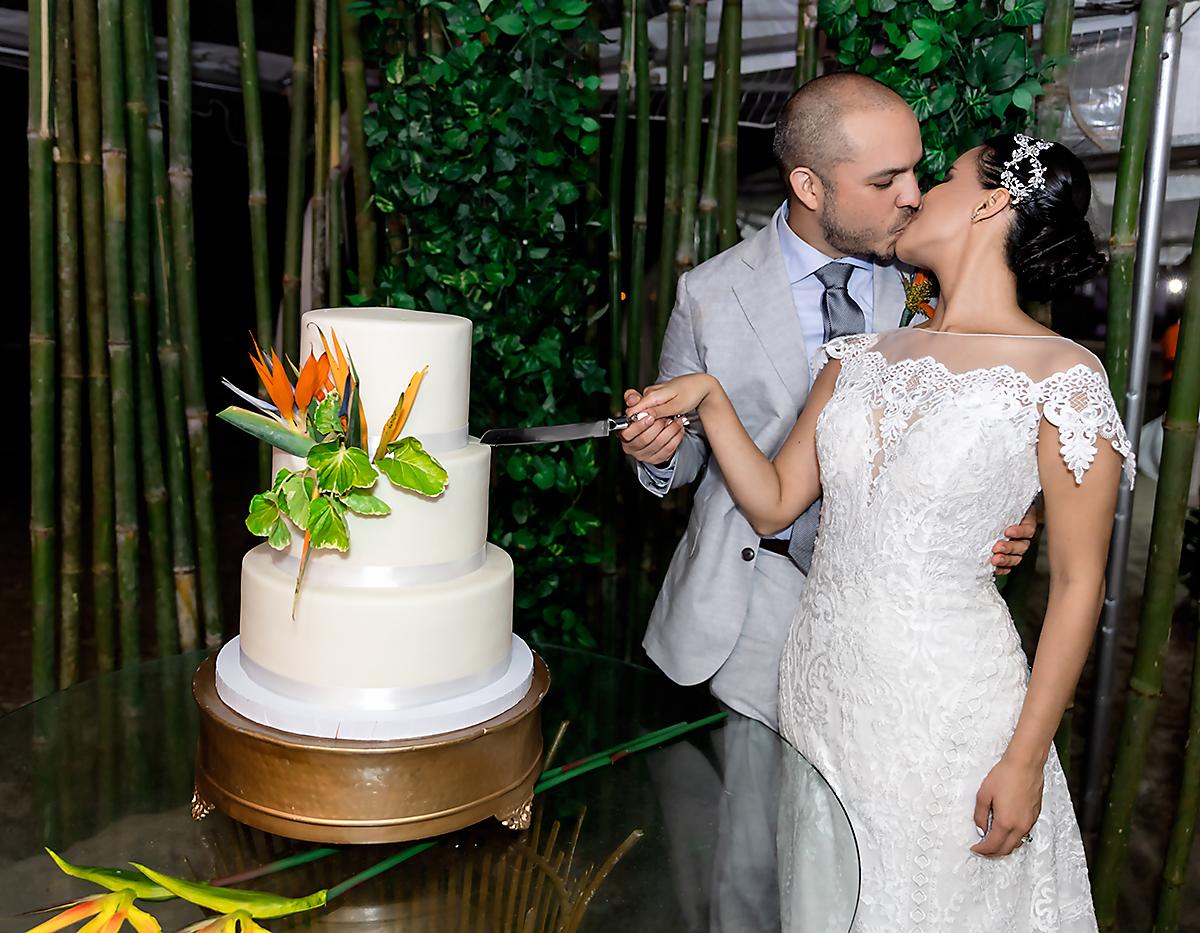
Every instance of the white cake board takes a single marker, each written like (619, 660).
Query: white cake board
(242, 693)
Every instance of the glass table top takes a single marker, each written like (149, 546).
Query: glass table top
(693, 835)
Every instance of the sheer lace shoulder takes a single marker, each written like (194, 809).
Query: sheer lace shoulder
(1076, 399)
(843, 348)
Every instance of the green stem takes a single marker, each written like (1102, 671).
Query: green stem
(1056, 43)
(676, 40)
(707, 208)
(641, 191)
(806, 41)
(730, 42)
(71, 375)
(297, 157)
(360, 163)
(616, 162)
(320, 54)
(336, 196)
(1139, 109)
(1162, 577)
(388, 863)
(100, 442)
(141, 261)
(183, 241)
(685, 252)
(42, 348)
(183, 560)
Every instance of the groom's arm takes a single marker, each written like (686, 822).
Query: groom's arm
(671, 456)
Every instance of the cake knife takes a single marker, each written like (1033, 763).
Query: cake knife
(549, 434)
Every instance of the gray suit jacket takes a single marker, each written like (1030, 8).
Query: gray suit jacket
(734, 317)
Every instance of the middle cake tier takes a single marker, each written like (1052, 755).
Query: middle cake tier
(443, 536)
(416, 642)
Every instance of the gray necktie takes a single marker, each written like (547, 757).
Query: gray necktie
(842, 316)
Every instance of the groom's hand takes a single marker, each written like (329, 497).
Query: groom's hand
(650, 440)
(1009, 550)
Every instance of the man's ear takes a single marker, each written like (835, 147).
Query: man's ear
(806, 186)
(996, 201)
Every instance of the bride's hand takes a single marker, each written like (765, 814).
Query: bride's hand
(1013, 792)
(676, 396)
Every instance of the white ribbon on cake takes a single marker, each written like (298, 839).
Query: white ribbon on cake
(370, 698)
(332, 571)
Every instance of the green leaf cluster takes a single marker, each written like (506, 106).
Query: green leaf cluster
(966, 69)
(480, 157)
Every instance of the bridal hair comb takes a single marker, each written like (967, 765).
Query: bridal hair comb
(1027, 149)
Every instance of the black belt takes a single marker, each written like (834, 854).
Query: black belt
(774, 545)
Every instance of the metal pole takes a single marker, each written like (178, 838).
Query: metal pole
(1154, 186)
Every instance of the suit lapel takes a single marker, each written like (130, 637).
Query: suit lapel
(765, 295)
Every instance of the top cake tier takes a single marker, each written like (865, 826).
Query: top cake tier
(387, 346)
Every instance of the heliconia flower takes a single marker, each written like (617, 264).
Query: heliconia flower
(308, 382)
(237, 922)
(108, 912)
(256, 904)
(115, 879)
(404, 404)
(275, 381)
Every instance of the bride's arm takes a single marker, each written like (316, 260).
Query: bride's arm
(770, 493)
(1079, 521)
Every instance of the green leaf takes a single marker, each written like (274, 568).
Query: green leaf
(327, 524)
(927, 29)
(1023, 12)
(280, 537)
(326, 419)
(1022, 99)
(271, 430)
(942, 6)
(363, 503)
(1000, 104)
(409, 466)
(930, 60)
(915, 49)
(114, 879)
(512, 24)
(294, 496)
(265, 520)
(340, 469)
(257, 904)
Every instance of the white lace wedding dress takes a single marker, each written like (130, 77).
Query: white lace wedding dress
(903, 675)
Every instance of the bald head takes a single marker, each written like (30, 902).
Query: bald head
(811, 127)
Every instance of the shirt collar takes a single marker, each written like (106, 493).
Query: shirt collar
(801, 259)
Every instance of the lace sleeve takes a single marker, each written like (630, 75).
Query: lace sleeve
(842, 348)
(1078, 402)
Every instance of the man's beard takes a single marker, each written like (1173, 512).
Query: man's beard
(856, 242)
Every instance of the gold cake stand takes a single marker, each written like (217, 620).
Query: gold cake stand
(343, 791)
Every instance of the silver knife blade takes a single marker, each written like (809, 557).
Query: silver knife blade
(549, 434)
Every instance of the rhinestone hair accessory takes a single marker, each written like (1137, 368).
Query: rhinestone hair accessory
(1027, 150)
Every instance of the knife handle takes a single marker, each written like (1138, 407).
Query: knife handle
(620, 423)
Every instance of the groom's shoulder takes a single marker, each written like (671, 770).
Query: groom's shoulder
(728, 266)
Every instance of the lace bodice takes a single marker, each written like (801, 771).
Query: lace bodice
(903, 676)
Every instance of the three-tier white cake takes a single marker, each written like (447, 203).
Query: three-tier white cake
(408, 633)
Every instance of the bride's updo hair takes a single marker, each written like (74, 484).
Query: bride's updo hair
(1050, 246)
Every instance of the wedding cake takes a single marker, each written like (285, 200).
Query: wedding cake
(407, 632)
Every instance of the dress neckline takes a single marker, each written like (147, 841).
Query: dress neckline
(952, 333)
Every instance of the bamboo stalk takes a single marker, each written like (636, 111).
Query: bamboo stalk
(806, 40)
(708, 185)
(685, 252)
(293, 245)
(100, 441)
(42, 347)
(1162, 576)
(1187, 807)
(616, 163)
(337, 198)
(176, 451)
(360, 165)
(120, 338)
(1135, 132)
(320, 54)
(730, 42)
(71, 432)
(641, 191)
(264, 318)
(676, 39)
(155, 491)
(1056, 43)
(183, 242)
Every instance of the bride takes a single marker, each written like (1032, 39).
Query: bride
(903, 680)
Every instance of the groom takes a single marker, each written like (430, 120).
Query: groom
(754, 316)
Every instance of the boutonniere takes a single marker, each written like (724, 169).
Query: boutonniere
(918, 290)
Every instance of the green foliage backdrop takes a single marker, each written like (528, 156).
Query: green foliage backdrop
(480, 139)
(966, 69)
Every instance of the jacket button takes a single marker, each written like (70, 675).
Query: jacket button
(747, 553)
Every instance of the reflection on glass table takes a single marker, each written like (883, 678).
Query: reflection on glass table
(691, 836)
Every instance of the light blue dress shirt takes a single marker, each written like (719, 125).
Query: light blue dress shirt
(801, 260)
